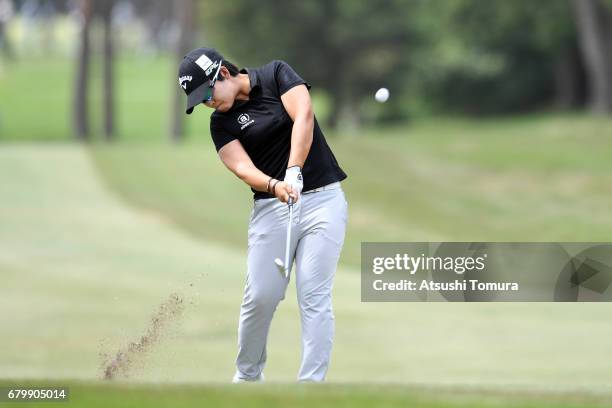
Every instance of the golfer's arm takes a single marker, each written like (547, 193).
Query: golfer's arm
(299, 107)
(238, 162)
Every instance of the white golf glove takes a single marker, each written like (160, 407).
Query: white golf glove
(293, 177)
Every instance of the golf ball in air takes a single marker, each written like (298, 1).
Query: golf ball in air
(382, 95)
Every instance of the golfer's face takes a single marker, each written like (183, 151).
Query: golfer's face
(222, 97)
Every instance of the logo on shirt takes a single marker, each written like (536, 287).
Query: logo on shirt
(244, 120)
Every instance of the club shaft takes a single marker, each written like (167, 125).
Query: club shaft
(288, 243)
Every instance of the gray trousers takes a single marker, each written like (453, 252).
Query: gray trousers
(317, 237)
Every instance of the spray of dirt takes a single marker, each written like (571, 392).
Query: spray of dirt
(123, 362)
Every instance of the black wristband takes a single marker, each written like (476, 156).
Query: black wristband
(274, 187)
(268, 185)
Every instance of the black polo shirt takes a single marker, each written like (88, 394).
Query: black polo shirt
(264, 127)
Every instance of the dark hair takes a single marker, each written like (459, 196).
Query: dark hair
(233, 69)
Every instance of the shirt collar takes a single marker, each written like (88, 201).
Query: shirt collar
(254, 80)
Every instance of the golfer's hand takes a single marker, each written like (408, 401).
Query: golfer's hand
(293, 177)
(283, 191)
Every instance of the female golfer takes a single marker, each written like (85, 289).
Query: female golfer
(265, 132)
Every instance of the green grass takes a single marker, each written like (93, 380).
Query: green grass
(34, 102)
(91, 395)
(83, 272)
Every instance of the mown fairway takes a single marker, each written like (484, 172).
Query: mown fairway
(93, 240)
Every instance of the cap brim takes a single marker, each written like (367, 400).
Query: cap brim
(196, 97)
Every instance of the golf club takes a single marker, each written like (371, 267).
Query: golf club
(285, 267)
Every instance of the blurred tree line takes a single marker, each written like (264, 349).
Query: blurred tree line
(459, 56)
(473, 57)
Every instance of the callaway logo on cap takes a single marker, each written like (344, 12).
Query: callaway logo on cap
(196, 73)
